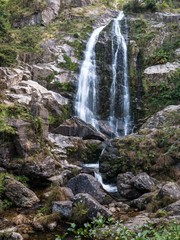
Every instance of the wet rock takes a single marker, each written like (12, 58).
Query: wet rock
(170, 190)
(77, 127)
(84, 183)
(125, 186)
(143, 182)
(162, 117)
(19, 194)
(92, 207)
(64, 208)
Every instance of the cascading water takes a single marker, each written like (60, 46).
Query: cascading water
(119, 80)
(87, 98)
(86, 103)
(87, 89)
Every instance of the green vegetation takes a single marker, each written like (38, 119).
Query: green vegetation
(159, 95)
(11, 112)
(136, 6)
(68, 64)
(99, 228)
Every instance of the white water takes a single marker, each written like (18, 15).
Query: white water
(107, 187)
(85, 105)
(119, 46)
(87, 94)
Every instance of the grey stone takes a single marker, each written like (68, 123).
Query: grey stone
(63, 207)
(19, 194)
(84, 183)
(162, 117)
(93, 207)
(171, 190)
(143, 182)
(174, 208)
(77, 127)
(125, 186)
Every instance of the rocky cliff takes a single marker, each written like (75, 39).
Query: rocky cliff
(44, 148)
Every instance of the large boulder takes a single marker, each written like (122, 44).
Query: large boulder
(19, 194)
(166, 116)
(91, 207)
(125, 187)
(77, 127)
(170, 190)
(143, 182)
(28, 92)
(174, 207)
(84, 183)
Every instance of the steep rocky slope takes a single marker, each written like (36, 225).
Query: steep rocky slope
(42, 45)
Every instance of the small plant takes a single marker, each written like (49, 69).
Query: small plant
(68, 64)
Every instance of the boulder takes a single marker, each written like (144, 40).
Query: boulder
(77, 127)
(64, 208)
(125, 186)
(62, 178)
(163, 117)
(162, 68)
(170, 190)
(142, 202)
(92, 208)
(84, 183)
(41, 169)
(30, 91)
(174, 208)
(143, 182)
(19, 194)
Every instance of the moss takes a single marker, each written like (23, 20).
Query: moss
(8, 55)
(68, 64)
(159, 95)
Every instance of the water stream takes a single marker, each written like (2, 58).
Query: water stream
(86, 101)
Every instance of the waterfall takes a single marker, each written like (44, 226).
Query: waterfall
(87, 102)
(119, 50)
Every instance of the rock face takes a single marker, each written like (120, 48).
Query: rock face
(167, 17)
(20, 195)
(162, 117)
(84, 183)
(50, 12)
(92, 207)
(10, 76)
(162, 68)
(147, 150)
(77, 127)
